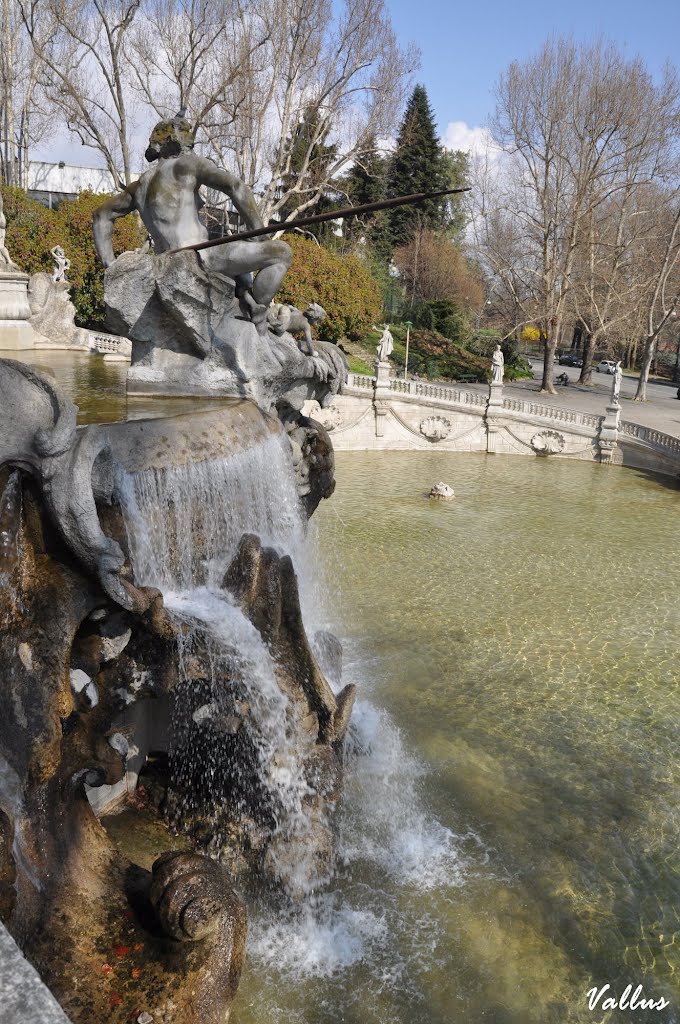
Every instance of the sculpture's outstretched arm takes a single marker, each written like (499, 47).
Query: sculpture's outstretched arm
(103, 219)
(212, 176)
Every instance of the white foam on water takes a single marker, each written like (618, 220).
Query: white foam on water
(384, 834)
(383, 820)
(318, 941)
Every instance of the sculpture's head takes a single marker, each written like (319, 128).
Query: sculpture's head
(315, 313)
(170, 138)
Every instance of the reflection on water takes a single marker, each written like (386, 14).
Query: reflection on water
(522, 642)
(98, 387)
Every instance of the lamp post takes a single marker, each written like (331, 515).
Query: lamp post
(409, 325)
(393, 275)
(676, 369)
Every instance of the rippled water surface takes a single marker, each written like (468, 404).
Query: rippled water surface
(509, 833)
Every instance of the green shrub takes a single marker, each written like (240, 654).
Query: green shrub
(442, 315)
(33, 229)
(343, 285)
(433, 355)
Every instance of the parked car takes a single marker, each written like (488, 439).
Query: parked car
(570, 359)
(606, 366)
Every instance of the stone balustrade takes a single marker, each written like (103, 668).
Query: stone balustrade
(423, 414)
(552, 412)
(109, 344)
(655, 438)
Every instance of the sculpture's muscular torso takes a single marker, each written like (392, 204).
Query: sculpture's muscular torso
(167, 199)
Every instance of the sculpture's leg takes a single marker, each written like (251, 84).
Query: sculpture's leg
(271, 259)
(277, 259)
(308, 345)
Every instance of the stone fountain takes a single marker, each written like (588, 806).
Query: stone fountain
(36, 310)
(149, 607)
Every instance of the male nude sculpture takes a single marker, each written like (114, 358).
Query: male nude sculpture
(167, 199)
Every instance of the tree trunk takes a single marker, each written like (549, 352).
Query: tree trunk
(548, 382)
(647, 357)
(634, 353)
(586, 376)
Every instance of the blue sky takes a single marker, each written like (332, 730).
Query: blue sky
(466, 46)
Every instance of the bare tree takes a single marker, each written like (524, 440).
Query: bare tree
(658, 259)
(22, 117)
(569, 120)
(247, 72)
(341, 63)
(86, 70)
(433, 267)
(644, 122)
(499, 242)
(190, 54)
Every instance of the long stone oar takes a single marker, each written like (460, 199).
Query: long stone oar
(320, 218)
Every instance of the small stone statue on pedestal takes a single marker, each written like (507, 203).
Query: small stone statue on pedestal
(497, 366)
(62, 263)
(385, 345)
(616, 383)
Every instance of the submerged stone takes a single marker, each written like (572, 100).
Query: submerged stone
(442, 491)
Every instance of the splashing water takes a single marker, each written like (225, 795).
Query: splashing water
(184, 526)
(385, 835)
(384, 823)
(234, 649)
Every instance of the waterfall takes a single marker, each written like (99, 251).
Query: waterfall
(184, 524)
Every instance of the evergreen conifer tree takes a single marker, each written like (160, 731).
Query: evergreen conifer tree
(366, 182)
(418, 165)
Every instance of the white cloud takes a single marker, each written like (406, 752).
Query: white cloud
(476, 141)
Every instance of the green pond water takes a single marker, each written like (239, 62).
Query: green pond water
(509, 832)
(98, 387)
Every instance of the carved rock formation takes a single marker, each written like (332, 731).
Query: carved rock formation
(442, 491)
(241, 802)
(190, 336)
(64, 891)
(53, 313)
(39, 436)
(94, 671)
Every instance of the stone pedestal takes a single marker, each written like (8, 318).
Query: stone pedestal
(494, 410)
(381, 392)
(609, 432)
(16, 334)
